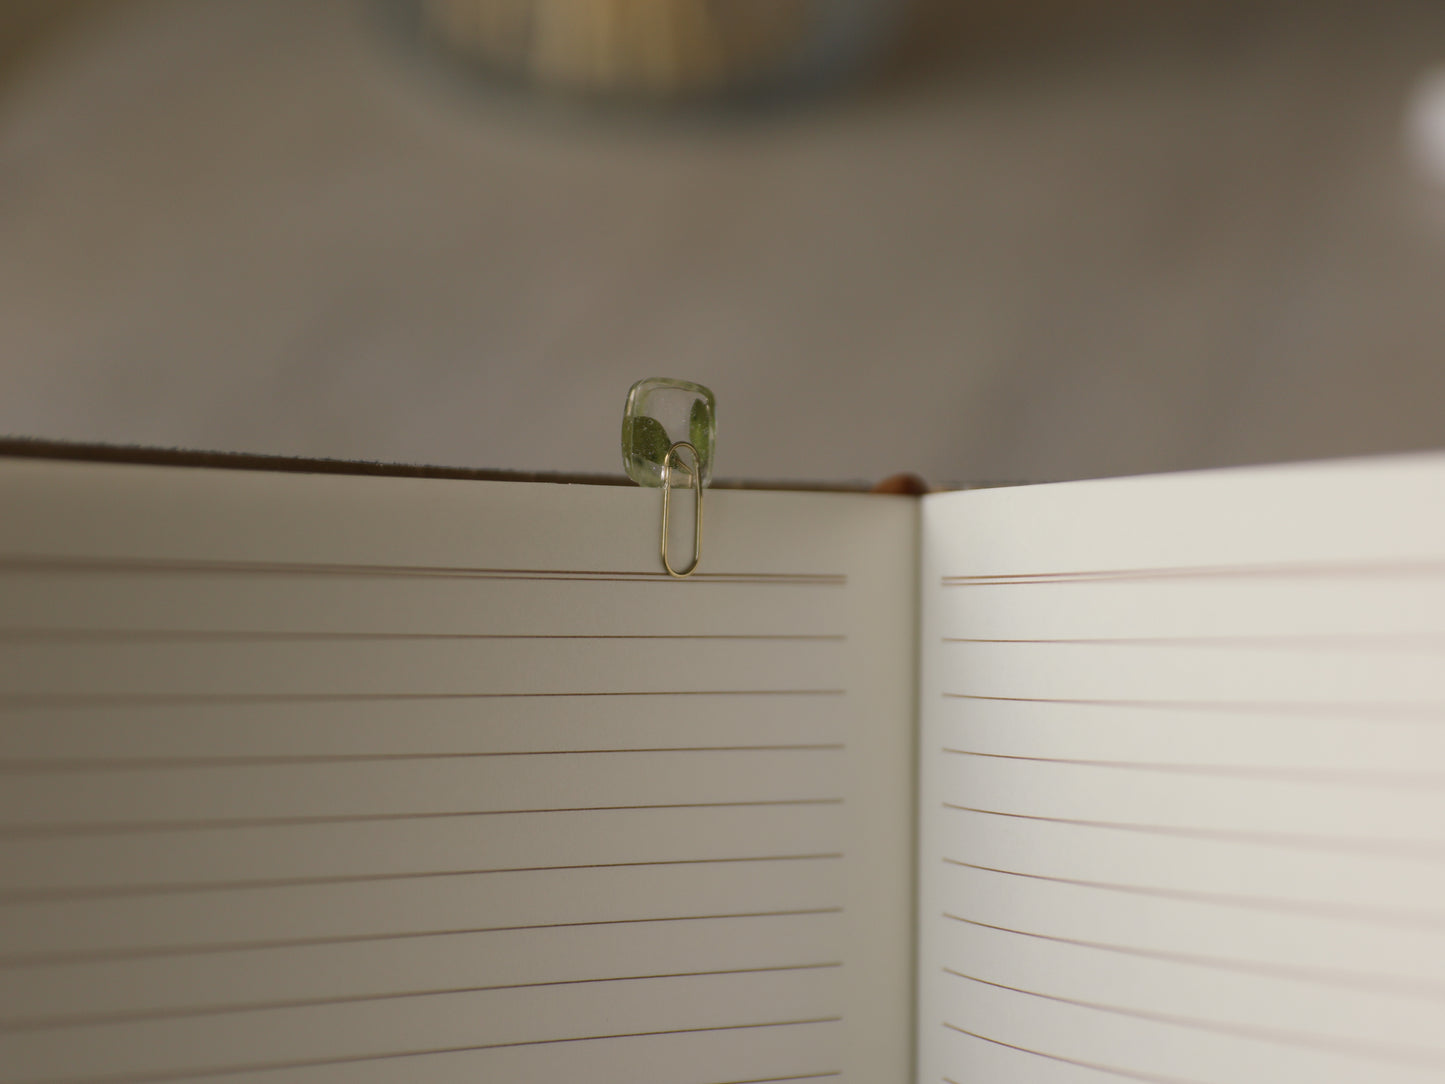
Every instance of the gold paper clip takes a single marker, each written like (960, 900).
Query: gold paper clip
(657, 408)
(674, 456)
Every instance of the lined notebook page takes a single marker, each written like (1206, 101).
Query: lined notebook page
(308, 779)
(1183, 798)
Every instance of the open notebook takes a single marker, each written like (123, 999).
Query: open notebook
(308, 779)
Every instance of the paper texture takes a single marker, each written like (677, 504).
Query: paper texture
(318, 779)
(1183, 748)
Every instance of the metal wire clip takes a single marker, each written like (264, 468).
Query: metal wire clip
(693, 482)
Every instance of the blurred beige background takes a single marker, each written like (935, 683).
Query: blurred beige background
(1056, 240)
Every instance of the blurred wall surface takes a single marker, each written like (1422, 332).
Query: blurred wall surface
(1054, 240)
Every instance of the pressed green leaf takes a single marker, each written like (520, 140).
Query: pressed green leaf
(648, 440)
(699, 431)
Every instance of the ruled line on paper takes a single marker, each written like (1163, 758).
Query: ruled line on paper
(67, 958)
(1323, 570)
(1368, 981)
(1112, 1070)
(14, 701)
(88, 764)
(80, 892)
(1430, 640)
(1309, 908)
(134, 1016)
(1420, 850)
(31, 635)
(1400, 712)
(1361, 1048)
(354, 1059)
(37, 563)
(1390, 780)
(108, 828)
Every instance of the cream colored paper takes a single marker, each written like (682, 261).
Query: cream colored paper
(1183, 790)
(318, 778)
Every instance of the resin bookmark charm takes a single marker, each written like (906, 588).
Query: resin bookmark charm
(669, 430)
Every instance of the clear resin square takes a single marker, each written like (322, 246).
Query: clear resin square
(659, 414)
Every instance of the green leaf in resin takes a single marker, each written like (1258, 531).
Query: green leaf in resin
(700, 429)
(646, 440)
